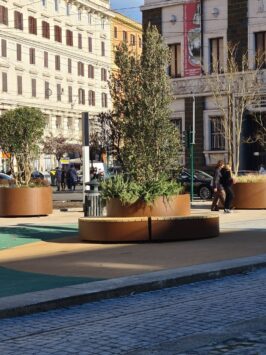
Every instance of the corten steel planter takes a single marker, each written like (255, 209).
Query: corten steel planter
(173, 206)
(148, 229)
(108, 230)
(250, 195)
(25, 201)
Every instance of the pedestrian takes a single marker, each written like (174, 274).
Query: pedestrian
(63, 180)
(227, 181)
(68, 179)
(73, 177)
(218, 197)
(262, 170)
(58, 176)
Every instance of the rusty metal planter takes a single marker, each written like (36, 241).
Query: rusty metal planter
(25, 201)
(250, 195)
(173, 206)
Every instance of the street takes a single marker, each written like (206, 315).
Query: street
(67, 195)
(225, 316)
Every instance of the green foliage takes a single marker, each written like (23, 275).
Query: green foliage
(146, 142)
(21, 132)
(128, 191)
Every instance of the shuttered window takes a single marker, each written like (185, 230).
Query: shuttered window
(18, 20)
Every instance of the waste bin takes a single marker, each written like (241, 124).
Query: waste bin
(93, 204)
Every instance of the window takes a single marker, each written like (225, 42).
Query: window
(19, 52)
(4, 82)
(46, 90)
(80, 69)
(70, 95)
(216, 55)
(69, 123)
(57, 33)
(102, 23)
(18, 20)
(3, 15)
(125, 36)
(69, 38)
(44, 3)
(90, 44)
(89, 18)
(33, 87)
(32, 25)
(103, 74)
(69, 66)
(90, 71)
(91, 98)
(32, 55)
(58, 122)
(45, 29)
(132, 40)
(56, 5)
(3, 48)
(217, 133)
(19, 85)
(68, 8)
(175, 62)
(79, 14)
(104, 99)
(57, 62)
(81, 96)
(115, 32)
(45, 59)
(58, 92)
(260, 45)
(140, 42)
(102, 49)
(79, 40)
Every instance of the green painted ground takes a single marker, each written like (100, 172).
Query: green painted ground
(17, 282)
(25, 233)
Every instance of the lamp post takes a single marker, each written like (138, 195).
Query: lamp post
(192, 143)
(85, 152)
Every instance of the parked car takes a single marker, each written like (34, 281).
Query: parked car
(41, 175)
(202, 183)
(6, 179)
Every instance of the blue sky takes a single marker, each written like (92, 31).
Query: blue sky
(129, 8)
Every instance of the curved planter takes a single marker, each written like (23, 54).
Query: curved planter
(162, 207)
(25, 201)
(250, 195)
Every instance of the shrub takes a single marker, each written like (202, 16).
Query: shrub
(251, 178)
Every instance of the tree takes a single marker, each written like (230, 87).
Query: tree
(55, 145)
(239, 87)
(21, 132)
(144, 140)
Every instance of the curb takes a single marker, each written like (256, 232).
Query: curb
(29, 303)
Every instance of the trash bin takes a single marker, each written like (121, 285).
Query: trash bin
(93, 204)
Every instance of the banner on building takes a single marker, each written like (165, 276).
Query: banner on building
(192, 38)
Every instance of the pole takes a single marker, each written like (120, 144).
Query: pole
(85, 151)
(192, 143)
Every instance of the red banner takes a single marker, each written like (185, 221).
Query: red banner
(192, 38)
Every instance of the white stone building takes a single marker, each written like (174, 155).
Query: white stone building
(55, 55)
(217, 22)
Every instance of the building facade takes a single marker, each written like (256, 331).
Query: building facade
(197, 33)
(126, 30)
(55, 55)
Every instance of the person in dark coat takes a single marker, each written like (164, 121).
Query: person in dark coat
(58, 176)
(218, 190)
(227, 182)
(63, 180)
(73, 177)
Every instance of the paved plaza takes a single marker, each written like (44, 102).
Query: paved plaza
(226, 316)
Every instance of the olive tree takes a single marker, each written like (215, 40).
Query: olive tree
(21, 132)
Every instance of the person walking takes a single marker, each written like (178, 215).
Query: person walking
(63, 180)
(58, 176)
(73, 177)
(227, 182)
(218, 197)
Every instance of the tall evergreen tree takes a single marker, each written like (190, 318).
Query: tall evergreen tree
(145, 140)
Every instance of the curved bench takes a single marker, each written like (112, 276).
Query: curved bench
(145, 229)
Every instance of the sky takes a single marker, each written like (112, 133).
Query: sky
(129, 8)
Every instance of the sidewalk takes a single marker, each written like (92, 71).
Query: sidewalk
(125, 268)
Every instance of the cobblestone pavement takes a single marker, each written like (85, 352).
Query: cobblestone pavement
(225, 316)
